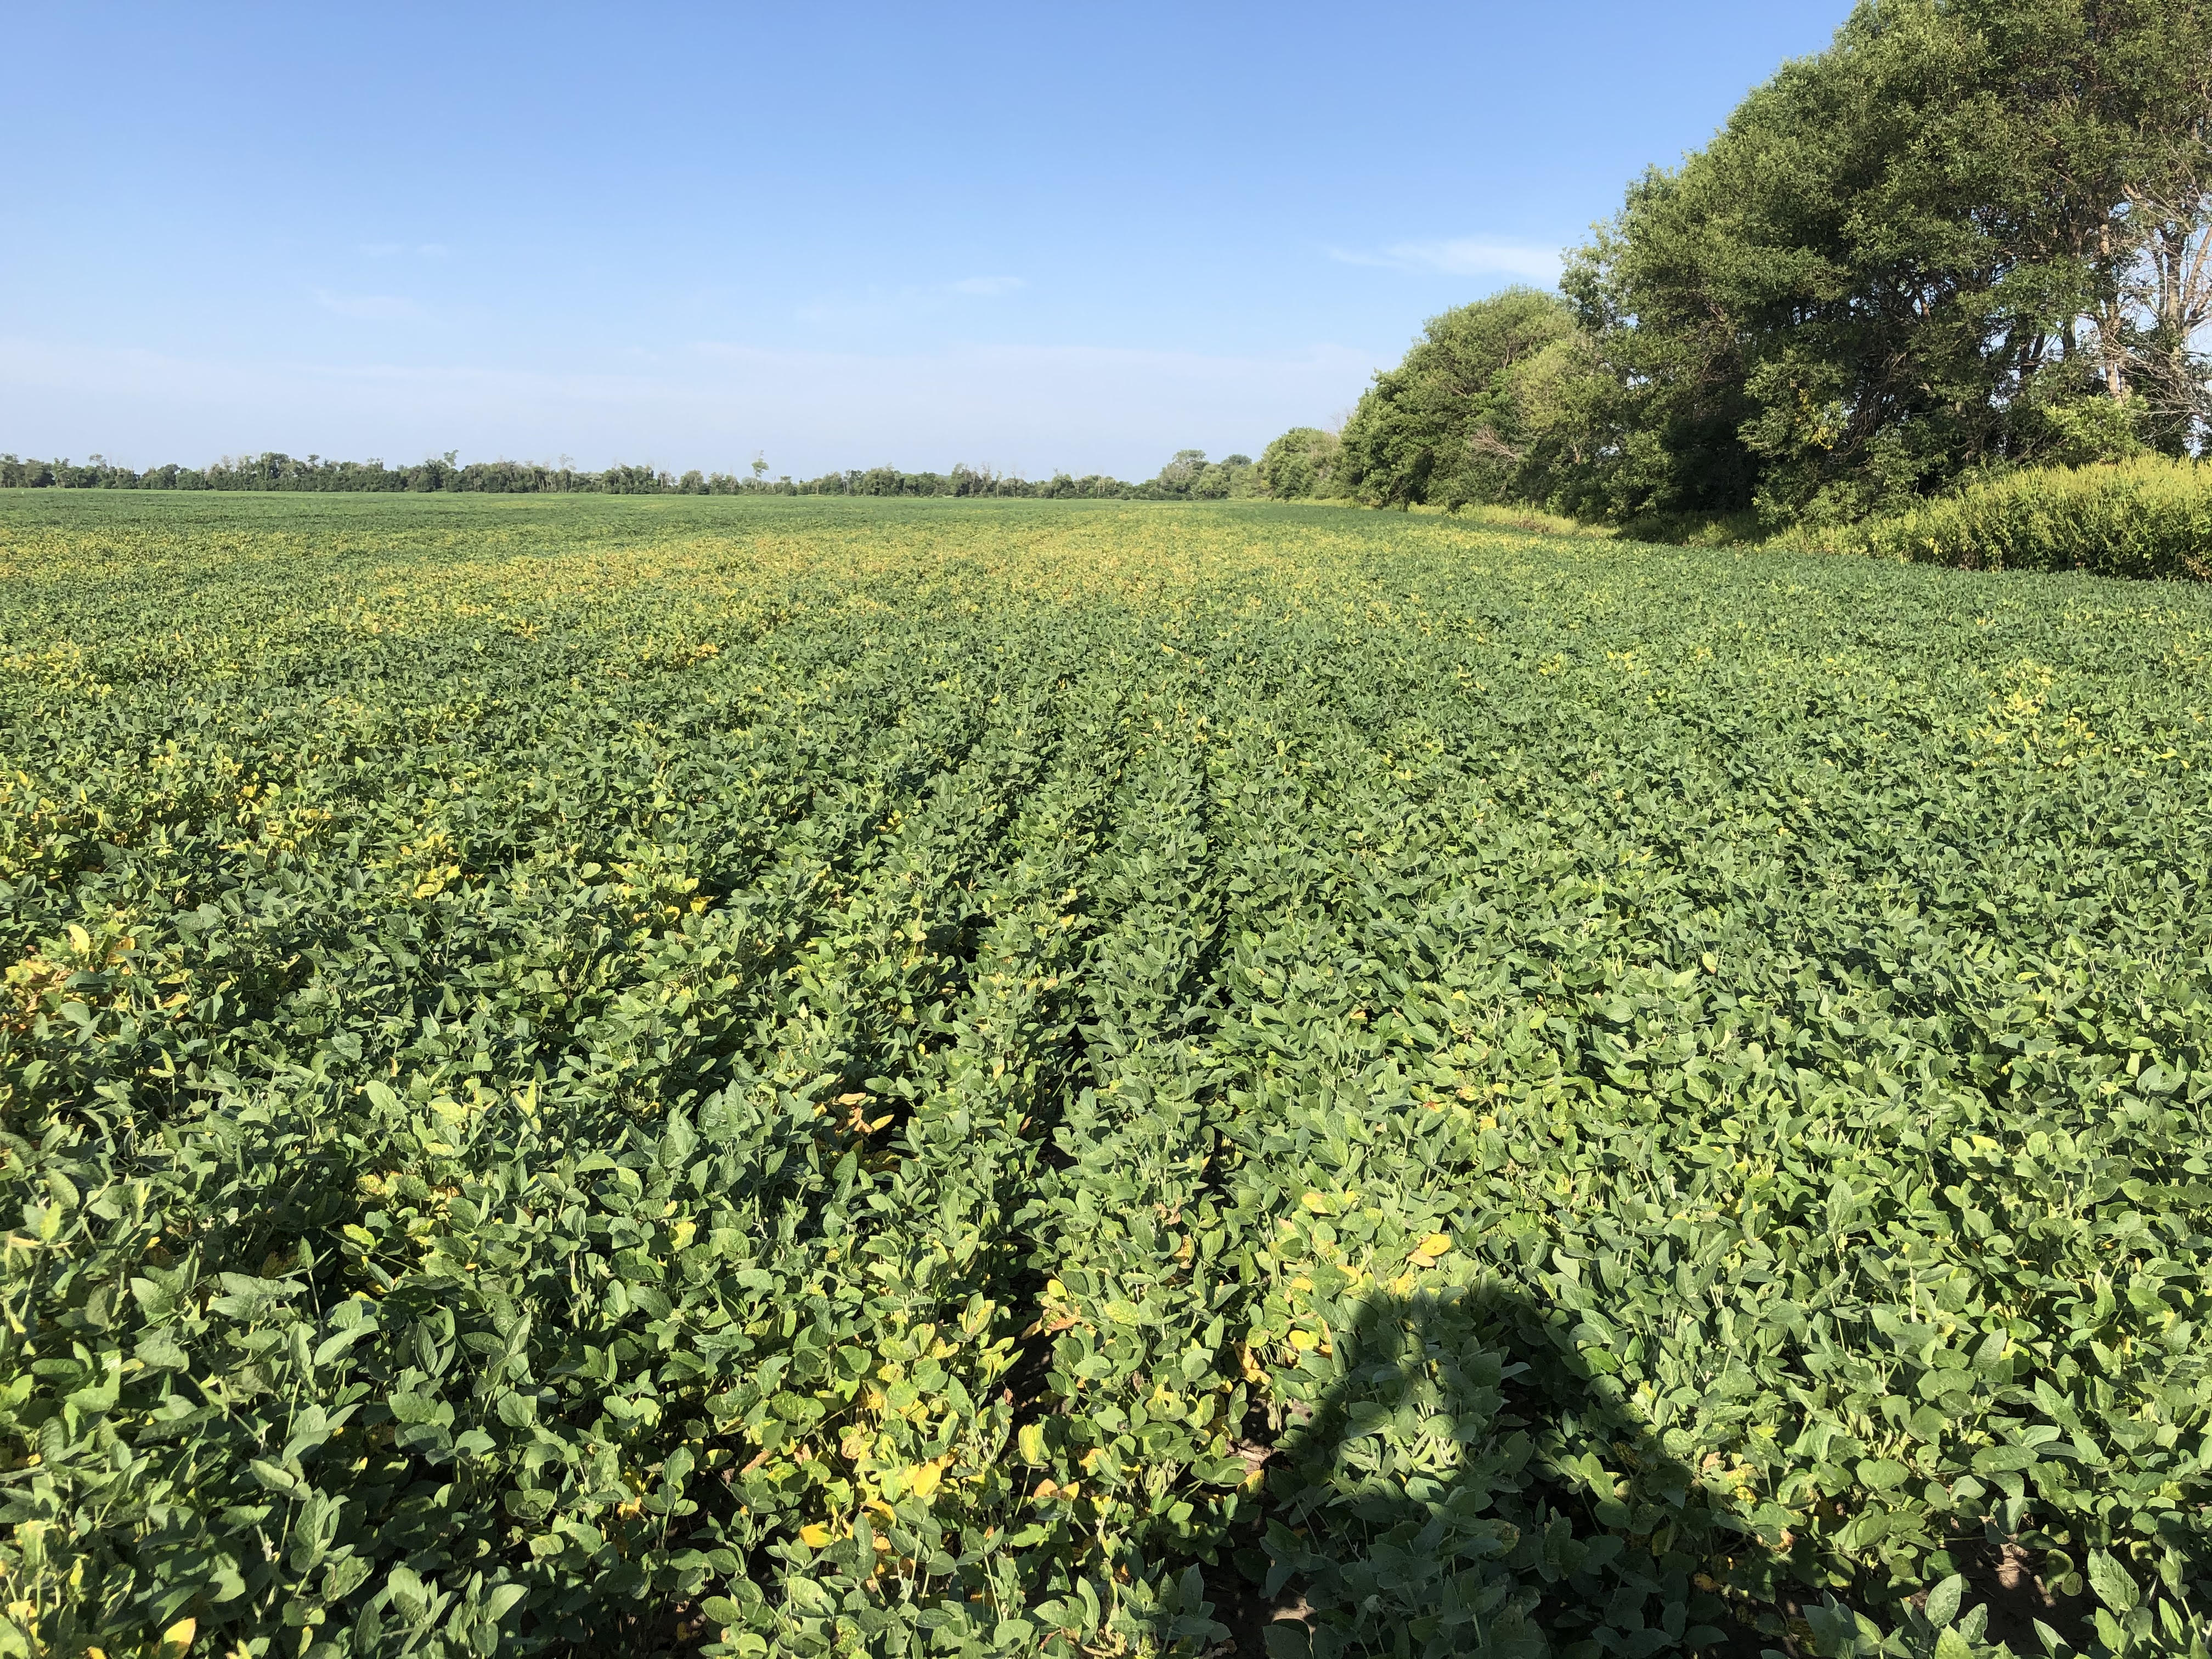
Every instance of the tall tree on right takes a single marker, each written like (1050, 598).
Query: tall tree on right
(1973, 233)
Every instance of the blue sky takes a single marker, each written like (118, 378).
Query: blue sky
(1076, 237)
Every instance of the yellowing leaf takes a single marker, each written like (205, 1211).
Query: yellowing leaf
(926, 1477)
(1304, 1341)
(814, 1536)
(1435, 1244)
(177, 1640)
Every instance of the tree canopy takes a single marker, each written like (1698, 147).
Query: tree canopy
(1906, 259)
(1452, 423)
(1302, 463)
(1971, 235)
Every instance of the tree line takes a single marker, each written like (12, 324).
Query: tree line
(1970, 237)
(1189, 476)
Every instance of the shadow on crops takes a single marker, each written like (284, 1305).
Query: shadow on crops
(1453, 1479)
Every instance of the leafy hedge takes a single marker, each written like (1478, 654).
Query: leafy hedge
(801, 1077)
(2148, 517)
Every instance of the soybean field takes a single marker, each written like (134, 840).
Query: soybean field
(593, 1075)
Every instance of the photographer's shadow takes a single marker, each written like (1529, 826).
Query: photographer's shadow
(1452, 1480)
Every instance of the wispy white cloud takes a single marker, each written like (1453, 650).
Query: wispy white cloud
(393, 250)
(1460, 256)
(860, 311)
(369, 308)
(889, 304)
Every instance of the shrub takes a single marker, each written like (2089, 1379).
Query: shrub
(2148, 517)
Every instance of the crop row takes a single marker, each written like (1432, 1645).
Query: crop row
(804, 1078)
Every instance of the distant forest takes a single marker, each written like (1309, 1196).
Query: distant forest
(1189, 476)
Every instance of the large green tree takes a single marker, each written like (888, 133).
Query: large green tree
(1459, 420)
(1925, 252)
(1301, 464)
